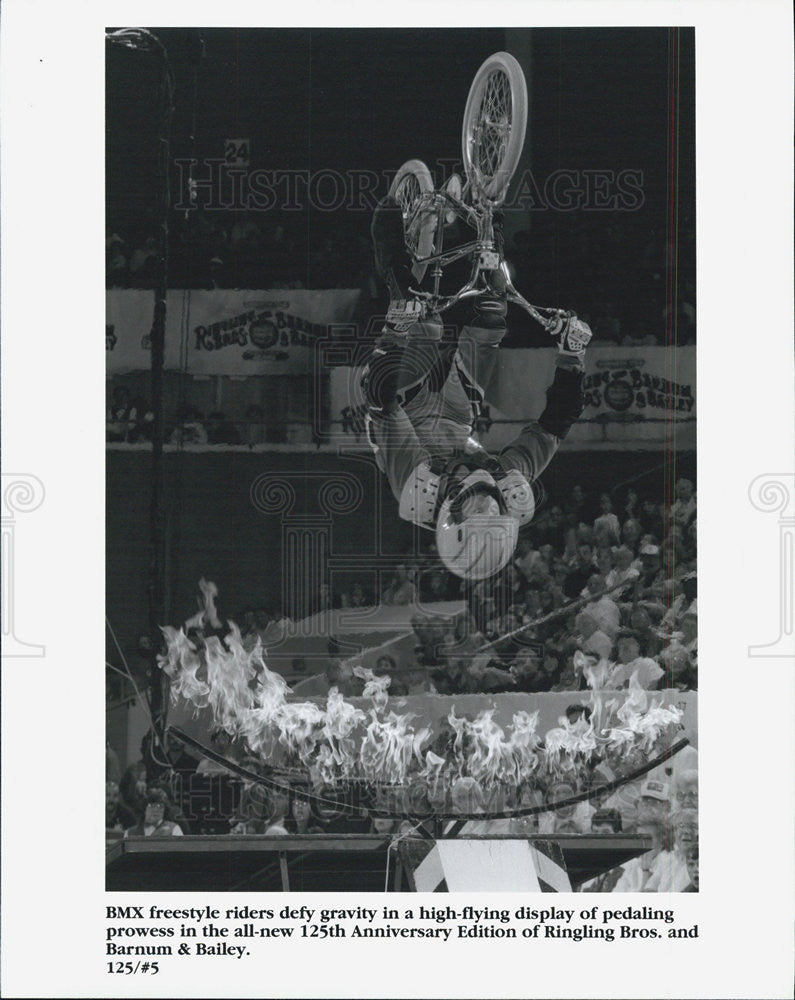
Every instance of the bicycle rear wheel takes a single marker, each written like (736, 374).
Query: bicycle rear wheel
(495, 120)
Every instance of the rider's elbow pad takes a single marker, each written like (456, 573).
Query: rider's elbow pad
(565, 401)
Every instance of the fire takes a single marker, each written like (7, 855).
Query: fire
(341, 741)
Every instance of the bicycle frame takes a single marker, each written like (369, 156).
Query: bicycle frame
(483, 251)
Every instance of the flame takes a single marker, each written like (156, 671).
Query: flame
(375, 688)
(339, 741)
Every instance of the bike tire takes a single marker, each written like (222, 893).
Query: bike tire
(411, 183)
(495, 122)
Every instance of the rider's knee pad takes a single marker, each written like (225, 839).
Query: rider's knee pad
(380, 378)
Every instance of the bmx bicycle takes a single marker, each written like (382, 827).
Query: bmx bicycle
(495, 121)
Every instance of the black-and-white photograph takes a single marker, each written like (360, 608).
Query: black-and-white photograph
(401, 550)
(381, 577)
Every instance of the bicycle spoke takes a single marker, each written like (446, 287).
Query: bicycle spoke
(495, 124)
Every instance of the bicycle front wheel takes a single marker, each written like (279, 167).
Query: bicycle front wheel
(495, 120)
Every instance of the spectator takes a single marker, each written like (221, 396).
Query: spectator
(686, 601)
(117, 816)
(605, 822)
(220, 430)
(357, 598)
(654, 802)
(122, 416)
(117, 267)
(591, 639)
(144, 264)
(674, 876)
(649, 641)
(112, 765)
(276, 825)
(623, 571)
(190, 428)
(301, 818)
(578, 576)
(574, 818)
(385, 665)
(642, 874)
(606, 525)
(254, 806)
(652, 518)
(687, 790)
(132, 788)
(631, 533)
(691, 859)
(252, 429)
(603, 609)
(646, 670)
(156, 820)
(680, 670)
(434, 586)
(401, 590)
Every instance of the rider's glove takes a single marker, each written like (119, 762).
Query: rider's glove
(572, 333)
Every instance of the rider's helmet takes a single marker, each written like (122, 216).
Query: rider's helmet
(475, 533)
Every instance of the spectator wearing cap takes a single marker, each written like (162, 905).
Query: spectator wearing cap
(156, 820)
(674, 876)
(691, 859)
(654, 802)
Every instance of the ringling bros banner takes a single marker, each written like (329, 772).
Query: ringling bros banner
(224, 332)
(633, 395)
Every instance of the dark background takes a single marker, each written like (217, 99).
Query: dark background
(367, 99)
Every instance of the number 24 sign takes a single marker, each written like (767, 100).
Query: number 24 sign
(236, 152)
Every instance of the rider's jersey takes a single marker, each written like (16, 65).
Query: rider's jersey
(403, 450)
